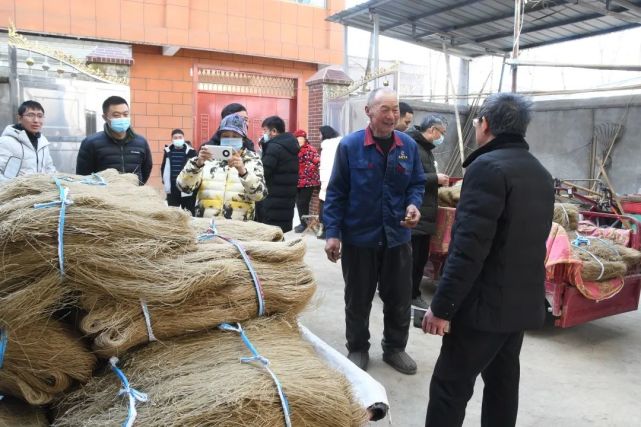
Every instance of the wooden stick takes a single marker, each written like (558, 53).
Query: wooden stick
(617, 201)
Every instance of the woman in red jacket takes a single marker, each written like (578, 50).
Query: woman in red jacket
(308, 177)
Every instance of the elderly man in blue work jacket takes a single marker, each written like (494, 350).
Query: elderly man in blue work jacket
(371, 205)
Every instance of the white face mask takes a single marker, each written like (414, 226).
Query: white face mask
(235, 143)
(266, 137)
(179, 143)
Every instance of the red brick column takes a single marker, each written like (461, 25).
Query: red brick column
(320, 86)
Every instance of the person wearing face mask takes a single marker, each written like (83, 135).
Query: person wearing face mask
(308, 177)
(23, 149)
(174, 159)
(226, 188)
(428, 135)
(117, 146)
(280, 158)
(233, 108)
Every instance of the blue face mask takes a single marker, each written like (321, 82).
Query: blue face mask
(179, 143)
(235, 143)
(438, 141)
(120, 124)
(265, 137)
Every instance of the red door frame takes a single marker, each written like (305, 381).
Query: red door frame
(296, 76)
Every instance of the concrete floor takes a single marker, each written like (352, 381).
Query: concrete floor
(589, 375)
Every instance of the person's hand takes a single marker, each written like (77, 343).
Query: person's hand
(333, 249)
(236, 161)
(443, 180)
(412, 215)
(204, 155)
(434, 325)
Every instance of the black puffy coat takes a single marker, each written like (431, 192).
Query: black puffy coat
(494, 275)
(100, 151)
(280, 163)
(429, 207)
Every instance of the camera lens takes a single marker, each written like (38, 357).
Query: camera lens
(226, 153)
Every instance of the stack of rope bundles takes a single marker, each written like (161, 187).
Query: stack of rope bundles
(124, 249)
(198, 380)
(567, 215)
(449, 197)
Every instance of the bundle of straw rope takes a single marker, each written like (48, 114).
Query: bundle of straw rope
(241, 230)
(567, 215)
(14, 413)
(602, 259)
(449, 196)
(198, 380)
(43, 359)
(230, 296)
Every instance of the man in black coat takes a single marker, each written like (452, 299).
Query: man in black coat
(117, 146)
(280, 163)
(492, 287)
(429, 134)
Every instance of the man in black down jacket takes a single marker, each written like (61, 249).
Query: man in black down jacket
(117, 146)
(492, 287)
(280, 162)
(429, 134)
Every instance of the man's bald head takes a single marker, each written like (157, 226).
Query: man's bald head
(379, 93)
(383, 111)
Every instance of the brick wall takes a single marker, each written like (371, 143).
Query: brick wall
(315, 118)
(268, 28)
(163, 91)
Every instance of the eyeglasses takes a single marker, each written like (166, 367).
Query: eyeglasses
(476, 121)
(441, 131)
(32, 116)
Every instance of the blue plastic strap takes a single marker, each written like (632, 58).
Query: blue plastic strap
(581, 240)
(264, 362)
(94, 179)
(133, 394)
(4, 338)
(63, 202)
(212, 233)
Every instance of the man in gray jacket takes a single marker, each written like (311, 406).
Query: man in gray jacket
(23, 149)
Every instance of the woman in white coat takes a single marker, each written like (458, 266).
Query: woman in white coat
(23, 149)
(329, 143)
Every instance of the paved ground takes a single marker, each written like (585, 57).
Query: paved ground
(589, 375)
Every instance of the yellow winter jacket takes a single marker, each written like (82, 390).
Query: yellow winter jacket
(221, 191)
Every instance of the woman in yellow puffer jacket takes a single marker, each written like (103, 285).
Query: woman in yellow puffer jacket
(226, 189)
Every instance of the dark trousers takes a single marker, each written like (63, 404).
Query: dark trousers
(303, 199)
(188, 203)
(465, 354)
(420, 255)
(363, 269)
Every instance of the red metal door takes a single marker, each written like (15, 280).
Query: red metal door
(258, 108)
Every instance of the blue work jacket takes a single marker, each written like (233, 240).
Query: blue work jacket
(366, 198)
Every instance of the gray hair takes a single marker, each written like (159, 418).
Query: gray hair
(429, 121)
(507, 113)
(371, 97)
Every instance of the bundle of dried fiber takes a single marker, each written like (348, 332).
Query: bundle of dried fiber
(42, 359)
(597, 268)
(172, 280)
(198, 380)
(449, 196)
(567, 215)
(14, 413)
(608, 250)
(241, 230)
(36, 298)
(119, 325)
